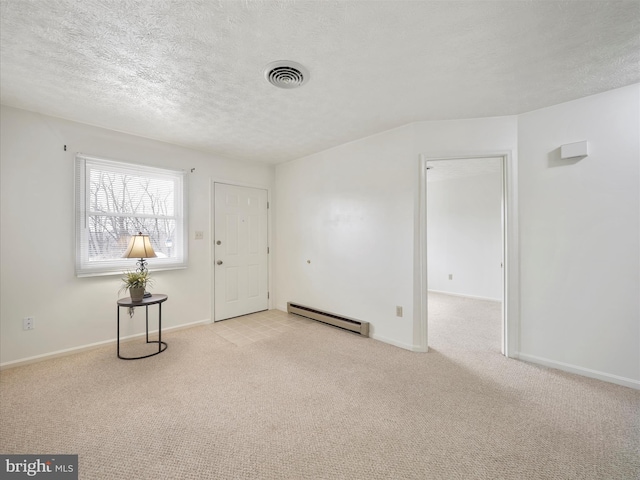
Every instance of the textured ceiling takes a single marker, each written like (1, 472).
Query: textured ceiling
(189, 72)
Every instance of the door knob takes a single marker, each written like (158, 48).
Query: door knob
(218, 242)
(219, 262)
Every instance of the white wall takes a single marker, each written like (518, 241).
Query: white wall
(464, 235)
(353, 211)
(580, 228)
(349, 211)
(37, 236)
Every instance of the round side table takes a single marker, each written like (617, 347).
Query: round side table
(155, 299)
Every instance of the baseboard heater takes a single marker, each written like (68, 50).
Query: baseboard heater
(340, 321)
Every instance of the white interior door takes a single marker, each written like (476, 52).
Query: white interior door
(240, 251)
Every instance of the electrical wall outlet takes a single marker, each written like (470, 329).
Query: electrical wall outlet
(398, 311)
(199, 235)
(451, 276)
(28, 323)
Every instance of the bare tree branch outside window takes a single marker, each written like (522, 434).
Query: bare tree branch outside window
(121, 205)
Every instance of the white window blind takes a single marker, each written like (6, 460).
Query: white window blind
(115, 200)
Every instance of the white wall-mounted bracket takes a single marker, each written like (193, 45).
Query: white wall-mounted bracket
(575, 150)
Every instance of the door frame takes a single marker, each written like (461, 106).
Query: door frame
(212, 234)
(510, 253)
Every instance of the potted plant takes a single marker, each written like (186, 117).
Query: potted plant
(135, 282)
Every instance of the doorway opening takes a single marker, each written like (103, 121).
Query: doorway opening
(477, 256)
(465, 252)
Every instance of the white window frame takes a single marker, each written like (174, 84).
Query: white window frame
(86, 267)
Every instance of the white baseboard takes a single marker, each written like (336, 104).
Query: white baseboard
(91, 346)
(395, 343)
(585, 372)
(465, 296)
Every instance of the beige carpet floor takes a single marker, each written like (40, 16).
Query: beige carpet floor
(314, 402)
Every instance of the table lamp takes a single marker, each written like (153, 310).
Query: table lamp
(140, 247)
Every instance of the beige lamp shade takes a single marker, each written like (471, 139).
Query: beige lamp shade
(139, 247)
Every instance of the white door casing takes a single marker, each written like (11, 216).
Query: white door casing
(240, 251)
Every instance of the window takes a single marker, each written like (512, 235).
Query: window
(116, 200)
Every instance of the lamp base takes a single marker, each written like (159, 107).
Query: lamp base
(141, 265)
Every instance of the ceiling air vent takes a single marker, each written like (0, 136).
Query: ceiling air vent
(286, 74)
